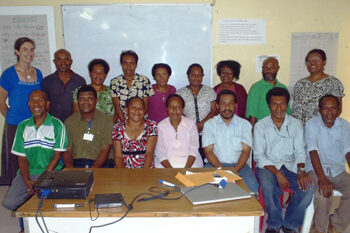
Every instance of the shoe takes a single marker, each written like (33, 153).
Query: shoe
(287, 230)
(272, 230)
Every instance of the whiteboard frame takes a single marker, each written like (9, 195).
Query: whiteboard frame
(37, 10)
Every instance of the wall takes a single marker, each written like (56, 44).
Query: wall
(282, 18)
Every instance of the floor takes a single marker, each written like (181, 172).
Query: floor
(8, 223)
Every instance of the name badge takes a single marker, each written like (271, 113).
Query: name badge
(88, 137)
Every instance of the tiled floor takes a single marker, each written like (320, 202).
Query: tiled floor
(8, 223)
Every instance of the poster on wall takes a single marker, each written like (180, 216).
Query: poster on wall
(36, 23)
(302, 43)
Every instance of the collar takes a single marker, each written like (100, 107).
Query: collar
(232, 122)
(47, 121)
(269, 84)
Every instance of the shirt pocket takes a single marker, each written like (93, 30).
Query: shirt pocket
(236, 143)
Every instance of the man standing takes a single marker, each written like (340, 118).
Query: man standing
(60, 85)
(39, 143)
(89, 133)
(257, 107)
(227, 139)
(279, 151)
(328, 142)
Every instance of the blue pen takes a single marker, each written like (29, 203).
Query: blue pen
(168, 183)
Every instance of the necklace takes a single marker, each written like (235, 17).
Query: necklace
(27, 75)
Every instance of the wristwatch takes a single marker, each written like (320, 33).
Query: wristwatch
(301, 169)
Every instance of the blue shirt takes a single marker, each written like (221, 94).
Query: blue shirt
(278, 147)
(18, 94)
(227, 139)
(331, 144)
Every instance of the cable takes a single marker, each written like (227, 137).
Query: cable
(44, 194)
(160, 196)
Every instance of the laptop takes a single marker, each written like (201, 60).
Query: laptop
(210, 193)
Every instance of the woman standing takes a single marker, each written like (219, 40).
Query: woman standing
(178, 142)
(98, 71)
(128, 85)
(199, 100)
(157, 110)
(16, 84)
(309, 90)
(134, 140)
(229, 71)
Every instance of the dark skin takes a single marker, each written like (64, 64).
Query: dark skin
(278, 107)
(329, 111)
(38, 105)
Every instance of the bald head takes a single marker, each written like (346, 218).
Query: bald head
(270, 68)
(63, 61)
(62, 51)
(39, 93)
(270, 59)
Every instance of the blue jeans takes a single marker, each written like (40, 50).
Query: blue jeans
(246, 173)
(271, 192)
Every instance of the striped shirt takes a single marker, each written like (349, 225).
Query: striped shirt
(38, 144)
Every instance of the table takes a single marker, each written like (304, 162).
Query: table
(150, 216)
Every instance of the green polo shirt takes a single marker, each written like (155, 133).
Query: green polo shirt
(256, 102)
(38, 144)
(101, 128)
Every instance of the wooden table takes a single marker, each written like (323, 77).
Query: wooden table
(150, 216)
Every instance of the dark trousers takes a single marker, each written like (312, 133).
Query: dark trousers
(87, 163)
(9, 163)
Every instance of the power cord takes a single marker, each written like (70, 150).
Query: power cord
(161, 195)
(44, 194)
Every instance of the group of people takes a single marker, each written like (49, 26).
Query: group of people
(59, 121)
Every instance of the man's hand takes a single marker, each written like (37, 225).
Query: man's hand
(282, 180)
(30, 186)
(199, 126)
(304, 181)
(325, 187)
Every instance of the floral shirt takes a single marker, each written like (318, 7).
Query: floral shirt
(140, 86)
(104, 103)
(134, 151)
(307, 94)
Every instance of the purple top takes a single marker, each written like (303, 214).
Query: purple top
(157, 109)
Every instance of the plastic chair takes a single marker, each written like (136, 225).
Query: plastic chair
(309, 213)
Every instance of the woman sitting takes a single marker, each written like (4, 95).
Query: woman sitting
(135, 138)
(178, 141)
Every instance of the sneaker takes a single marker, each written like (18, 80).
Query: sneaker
(272, 230)
(287, 230)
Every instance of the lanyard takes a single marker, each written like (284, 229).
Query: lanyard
(90, 123)
(195, 105)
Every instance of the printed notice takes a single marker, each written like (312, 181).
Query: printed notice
(242, 31)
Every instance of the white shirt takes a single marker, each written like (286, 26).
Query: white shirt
(278, 147)
(331, 144)
(227, 139)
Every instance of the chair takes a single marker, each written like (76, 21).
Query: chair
(309, 213)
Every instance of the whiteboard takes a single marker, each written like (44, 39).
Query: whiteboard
(177, 34)
(35, 22)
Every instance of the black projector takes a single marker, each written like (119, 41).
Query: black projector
(65, 184)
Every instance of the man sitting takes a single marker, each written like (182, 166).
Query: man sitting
(227, 139)
(279, 151)
(39, 143)
(328, 142)
(89, 133)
